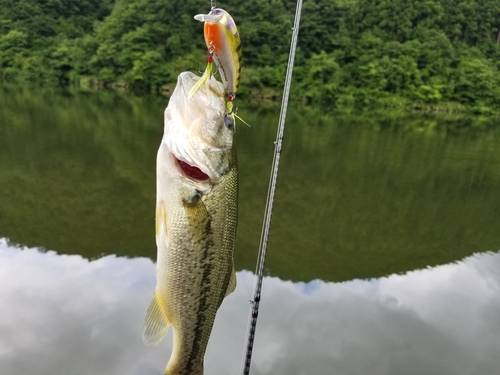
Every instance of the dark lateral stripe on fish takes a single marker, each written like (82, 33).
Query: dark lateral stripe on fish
(239, 59)
(202, 306)
(238, 48)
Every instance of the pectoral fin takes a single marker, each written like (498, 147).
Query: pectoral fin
(161, 221)
(232, 283)
(156, 324)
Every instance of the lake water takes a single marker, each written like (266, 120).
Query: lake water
(383, 256)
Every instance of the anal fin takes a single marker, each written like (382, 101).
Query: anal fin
(156, 324)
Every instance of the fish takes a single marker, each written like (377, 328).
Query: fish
(196, 219)
(224, 44)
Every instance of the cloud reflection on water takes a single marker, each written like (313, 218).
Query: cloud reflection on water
(63, 314)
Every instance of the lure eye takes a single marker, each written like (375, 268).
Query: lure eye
(229, 121)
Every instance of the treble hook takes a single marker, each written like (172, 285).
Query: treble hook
(213, 5)
(214, 73)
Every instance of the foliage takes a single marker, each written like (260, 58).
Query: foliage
(350, 52)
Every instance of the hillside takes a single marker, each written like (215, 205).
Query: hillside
(351, 52)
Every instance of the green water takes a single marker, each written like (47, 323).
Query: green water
(383, 255)
(359, 195)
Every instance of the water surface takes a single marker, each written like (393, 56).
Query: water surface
(383, 256)
(63, 314)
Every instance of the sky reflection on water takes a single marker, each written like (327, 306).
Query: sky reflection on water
(63, 314)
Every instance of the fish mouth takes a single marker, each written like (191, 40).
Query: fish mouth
(187, 80)
(190, 171)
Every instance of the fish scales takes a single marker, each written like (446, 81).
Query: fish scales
(195, 223)
(210, 256)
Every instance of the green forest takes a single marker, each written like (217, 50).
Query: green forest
(441, 54)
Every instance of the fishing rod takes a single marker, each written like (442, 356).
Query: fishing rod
(254, 303)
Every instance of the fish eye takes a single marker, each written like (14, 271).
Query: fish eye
(229, 121)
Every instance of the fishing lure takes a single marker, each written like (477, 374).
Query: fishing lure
(224, 46)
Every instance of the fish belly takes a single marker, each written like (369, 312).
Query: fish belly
(195, 264)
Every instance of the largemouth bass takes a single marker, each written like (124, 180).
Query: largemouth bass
(196, 214)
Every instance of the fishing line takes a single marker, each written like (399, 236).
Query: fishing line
(270, 194)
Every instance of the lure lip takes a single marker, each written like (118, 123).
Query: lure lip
(209, 18)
